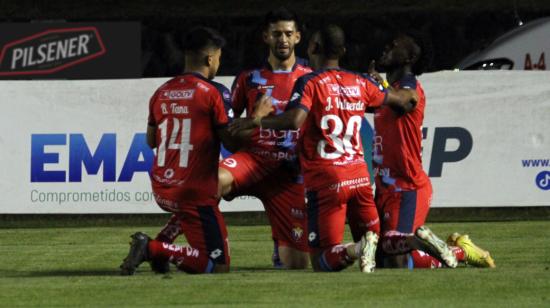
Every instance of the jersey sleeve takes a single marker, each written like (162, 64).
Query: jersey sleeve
(375, 92)
(302, 94)
(220, 103)
(151, 118)
(238, 94)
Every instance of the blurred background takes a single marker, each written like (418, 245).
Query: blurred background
(453, 29)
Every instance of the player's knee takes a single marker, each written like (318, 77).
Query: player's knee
(293, 258)
(296, 262)
(221, 268)
(225, 181)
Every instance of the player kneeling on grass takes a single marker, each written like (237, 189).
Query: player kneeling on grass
(403, 189)
(266, 167)
(187, 120)
(328, 105)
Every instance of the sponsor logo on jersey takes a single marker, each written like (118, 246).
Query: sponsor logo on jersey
(230, 162)
(337, 90)
(51, 51)
(177, 94)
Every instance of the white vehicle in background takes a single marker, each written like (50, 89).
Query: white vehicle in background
(523, 48)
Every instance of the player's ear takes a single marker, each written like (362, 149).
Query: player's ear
(298, 37)
(208, 60)
(265, 36)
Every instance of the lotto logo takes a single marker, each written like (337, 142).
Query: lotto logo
(312, 236)
(215, 254)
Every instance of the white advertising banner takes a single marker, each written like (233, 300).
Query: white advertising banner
(79, 146)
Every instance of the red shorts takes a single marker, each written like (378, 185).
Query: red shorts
(279, 187)
(403, 211)
(204, 229)
(328, 209)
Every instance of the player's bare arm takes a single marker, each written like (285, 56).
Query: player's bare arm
(403, 99)
(152, 136)
(230, 142)
(291, 119)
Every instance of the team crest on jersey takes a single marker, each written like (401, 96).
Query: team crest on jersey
(177, 94)
(297, 233)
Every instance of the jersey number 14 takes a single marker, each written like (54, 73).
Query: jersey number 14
(184, 146)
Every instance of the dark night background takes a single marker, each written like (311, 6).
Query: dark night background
(453, 28)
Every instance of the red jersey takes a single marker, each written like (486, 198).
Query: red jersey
(187, 110)
(397, 143)
(336, 100)
(247, 89)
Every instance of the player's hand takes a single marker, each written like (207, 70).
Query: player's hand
(263, 107)
(375, 75)
(414, 97)
(241, 124)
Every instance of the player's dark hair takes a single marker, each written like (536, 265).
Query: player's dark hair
(280, 14)
(200, 38)
(333, 41)
(421, 49)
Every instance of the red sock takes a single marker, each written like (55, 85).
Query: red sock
(424, 260)
(334, 259)
(395, 243)
(186, 258)
(170, 231)
(459, 253)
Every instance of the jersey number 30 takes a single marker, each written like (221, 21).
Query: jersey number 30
(184, 146)
(341, 145)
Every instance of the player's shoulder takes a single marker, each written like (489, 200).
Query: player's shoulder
(253, 77)
(301, 68)
(168, 84)
(408, 81)
(222, 89)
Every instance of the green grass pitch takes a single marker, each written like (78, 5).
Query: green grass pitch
(79, 267)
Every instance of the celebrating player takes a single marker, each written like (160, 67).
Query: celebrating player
(266, 167)
(187, 120)
(403, 189)
(329, 105)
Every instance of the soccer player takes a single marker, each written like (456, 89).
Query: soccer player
(266, 167)
(329, 105)
(403, 189)
(187, 120)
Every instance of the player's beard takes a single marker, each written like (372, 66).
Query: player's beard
(281, 56)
